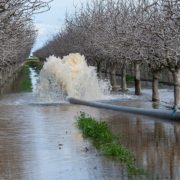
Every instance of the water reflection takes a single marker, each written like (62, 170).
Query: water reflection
(30, 136)
(29, 146)
(154, 143)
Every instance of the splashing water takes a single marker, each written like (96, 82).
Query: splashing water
(70, 76)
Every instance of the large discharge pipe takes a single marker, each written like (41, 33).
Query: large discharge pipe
(163, 114)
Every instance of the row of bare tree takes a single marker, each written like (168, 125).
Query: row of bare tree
(118, 33)
(17, 33)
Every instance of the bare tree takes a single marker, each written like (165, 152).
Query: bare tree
(114, 34)
(17, 32)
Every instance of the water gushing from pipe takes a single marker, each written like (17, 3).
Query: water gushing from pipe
(70, 76)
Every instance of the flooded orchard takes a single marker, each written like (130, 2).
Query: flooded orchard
(41, 140)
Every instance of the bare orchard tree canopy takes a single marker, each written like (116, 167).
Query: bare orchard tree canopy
(11, 8)
(17, 32)
(116, 33)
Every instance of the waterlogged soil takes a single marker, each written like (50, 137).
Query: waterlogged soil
(41, 141)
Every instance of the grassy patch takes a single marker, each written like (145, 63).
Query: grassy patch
(129, 79)
(35, 64)
(25, 82)
(104, 140)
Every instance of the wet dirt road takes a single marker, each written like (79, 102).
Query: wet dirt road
(41, 142)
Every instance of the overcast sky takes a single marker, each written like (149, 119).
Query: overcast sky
(50, 22)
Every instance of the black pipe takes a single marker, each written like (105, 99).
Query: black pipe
(163, 114)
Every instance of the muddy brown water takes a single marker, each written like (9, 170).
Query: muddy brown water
(41, 142)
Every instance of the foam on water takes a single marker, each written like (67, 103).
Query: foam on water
(70, 77)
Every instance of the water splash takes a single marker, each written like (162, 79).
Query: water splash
(70, 76)
(33, 76)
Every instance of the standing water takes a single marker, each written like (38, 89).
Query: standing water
(41, 141)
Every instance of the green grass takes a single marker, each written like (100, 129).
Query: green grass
(107, 143)
(25, 82)
(129, 79)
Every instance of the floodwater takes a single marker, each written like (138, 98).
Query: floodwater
(42, 142)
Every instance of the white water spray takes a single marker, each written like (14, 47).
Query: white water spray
(70, 76)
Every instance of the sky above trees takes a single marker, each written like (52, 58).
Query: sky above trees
(49, 23)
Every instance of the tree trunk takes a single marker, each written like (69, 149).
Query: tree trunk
(99, 69)
(1, 78)
(137, 79)
(123, 79)
(113, 80)
(177, 88)
(108, 74)
(155, 87)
